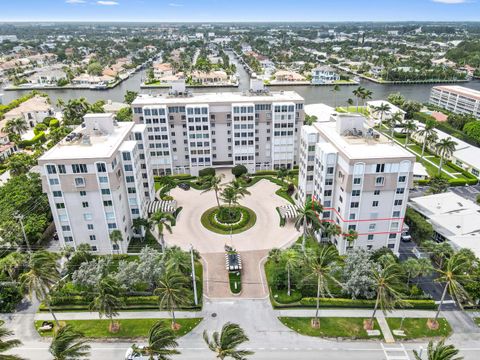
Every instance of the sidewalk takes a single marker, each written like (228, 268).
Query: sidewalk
(366, 313)
(121, 315)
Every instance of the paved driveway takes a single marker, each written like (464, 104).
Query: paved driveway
(264, 235)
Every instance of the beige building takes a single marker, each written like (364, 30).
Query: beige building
(360, 178)
(34, 111)
(458, 99)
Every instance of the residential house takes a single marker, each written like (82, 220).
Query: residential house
(34, 111)
(324, 75)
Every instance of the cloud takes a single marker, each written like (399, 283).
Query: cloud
(75, 1)
(450, 1)
(107, 3)
(175, 4)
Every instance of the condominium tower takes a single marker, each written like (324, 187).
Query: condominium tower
(457, 99)
(360, 178)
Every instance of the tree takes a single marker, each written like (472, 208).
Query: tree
(214, 183)
(321, 262)
(163, 221)
(453, 275)
(20, 163)
(140, 225)
(357, 276)
(130, 96)
(309, 119)
(178, 260)
(161, 342)
(394, 120)
(57, 134)
(225, 344)
(15, 126)
(425, 132)
(12, 264)
(358, 93)
(107, 300)
(350, 237)
(116, 237)
(308, 217)
(239, 170)
(282, 173)
(124, 114)
(350, 102)
(6, 345)
(239, 187)
(290, 258)
(439, 352)
(74, 110)
(437, 185)
(229, 196)
(445, 148)
(439, 252)
(330, 229)
(68, 344)
(366, 95)
(335, 90)
(387, 281)
(382, 109)
(411, 268)
(95, 68)
(472, 129)
(172, 292)
(409, 127)
(41, 276)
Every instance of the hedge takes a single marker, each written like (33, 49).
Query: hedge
(368, 304)
(54, 123)
(39, 138)
(239, 170)
(206, 172)
(227, 227)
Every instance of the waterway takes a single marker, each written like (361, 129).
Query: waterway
(312, 94)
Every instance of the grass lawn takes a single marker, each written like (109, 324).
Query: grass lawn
(416, 328)
(281, 296)
(343, 327)
(137, 244)
(353, 109)
(129, 328)
(208, 225)
(235, 277)
(477, 321)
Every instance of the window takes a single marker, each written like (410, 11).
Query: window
(87, 216)
(394, 226)
(372, 227)
(370, 237)
(94, 248)
(103, 179)
(105, 191)
(53, 181)
(128, 168)
(355, 192)
(354, 204)
(398, 202)
(85, 204)
(352, 216)
(83, 193)
(92, 237)
(68, 238)
(357, 181)
(51, 169)
(379, 181)
(352, 227)
(79, 182)
(392, 236)
(126, 156)
(57, 193)
(391, 246)
(400, 190)
(90, 226)
(396, 214)
(62, 169)
(101, 167)
(107, 203)
(375, 203)
(79, 168)
(63, 217)
(376, 192)
(60, 205)
(65, 228)
(112, 226)
(402, 179)
(380, 168)
(330, 170)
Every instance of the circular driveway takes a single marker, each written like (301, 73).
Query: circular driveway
(264, 235)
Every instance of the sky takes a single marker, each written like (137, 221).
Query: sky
(239, 10)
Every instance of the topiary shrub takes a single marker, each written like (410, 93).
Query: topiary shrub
(40, 127)
(206, 172)
(239, 170)
(54, 123)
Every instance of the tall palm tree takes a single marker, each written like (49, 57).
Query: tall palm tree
(410, 127)
(321, 263)
(225, 344)
(12, 264)
(350, 237)
(366, 95)
(213, 183)
(445, 148)
(239, 187)
(425, 132)
(139, 225)
(335, 90)
(161, 342)
(382, 109)
(308, 216)
(172, 292)
(440, 351)
(67, 344)
(358, 93)
(230, 196)
(15, 126)
(330, 229)
(291, 258)
(282, 173)
(387, 280)
(394, 120)
(163, 221)
(178, 260)
(116, 237)
(6, 345)
(107, 300)
(453, 275)
(41, 276)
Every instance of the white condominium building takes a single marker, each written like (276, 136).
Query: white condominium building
(98, 180)
(360, 178)
(188, 132)
(458, 99)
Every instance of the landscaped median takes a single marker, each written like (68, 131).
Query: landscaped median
(416, 328)
(212, 220)
(129, 328)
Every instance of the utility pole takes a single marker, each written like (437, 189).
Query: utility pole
(195, 297)
(20, 219)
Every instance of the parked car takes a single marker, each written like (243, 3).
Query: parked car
(184, 186)
(406, 237)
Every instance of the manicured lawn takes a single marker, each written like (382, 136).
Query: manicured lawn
(137, 244)
(235, 277)
(353, 109)
(343, 327)
(208, 225)
(281, 296)
(129, 328)
(477, 321)
(416, 328)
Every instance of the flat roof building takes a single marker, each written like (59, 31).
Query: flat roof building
(458, 99)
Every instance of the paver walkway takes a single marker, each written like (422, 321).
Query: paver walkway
(387, 334)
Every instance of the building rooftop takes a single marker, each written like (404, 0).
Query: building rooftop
(37, 103)
(460, 90)
(321, 111)
(91, 143)
(223, 97)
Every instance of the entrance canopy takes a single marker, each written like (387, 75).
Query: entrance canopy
(288, 211)
(160, 205)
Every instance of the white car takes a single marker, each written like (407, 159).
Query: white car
(133, 353)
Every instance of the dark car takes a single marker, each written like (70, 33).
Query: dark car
(184, 186)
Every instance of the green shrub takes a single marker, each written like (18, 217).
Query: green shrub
(264, 172)
(227, 227)
(239, 170)
(54, 123)
(206, 172)
(10, 296)
(422, 182)
(457, 182)
(39, 138)
(369, 304)
(420, 228)
(40, 127)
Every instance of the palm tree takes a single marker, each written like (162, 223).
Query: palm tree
(163, 221)
(225, 344)
(229, 196)
(321, 262)
(453, 275)
(107, 299)
(308, 216)
(349, 102)
(178, 260)
(161, 342)
(439, 352)
(67, 344)
(382, 109)
(116, 237)
(241, 190)
(350, 237)
(394, 119)
(282, 173)
(6, 345)
(42, 275)
(12, 264)
(330, 229)
(15, 126)
(409, 127)
(290, 258)
(213, 183)
(140, 224)
(358, 93)
(425, 132)
(445, 148)
(172, 292)
(366, 95)
(335, 89)
(20, 163)
(387, 279)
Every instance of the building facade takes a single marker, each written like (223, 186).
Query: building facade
(324, 75)
(188, 132)
(98, 180)
(359, 177)
(458, 99)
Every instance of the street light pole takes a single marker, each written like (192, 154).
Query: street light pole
(195, 297)
(20, 219)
